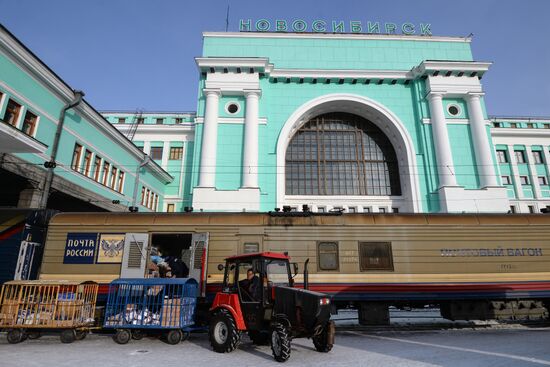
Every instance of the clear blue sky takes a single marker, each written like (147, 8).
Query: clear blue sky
(128, 54)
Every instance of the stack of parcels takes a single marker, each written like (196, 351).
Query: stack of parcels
(134, 316)
(171, 312)
(8, 312)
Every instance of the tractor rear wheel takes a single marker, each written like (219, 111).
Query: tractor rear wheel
(323, 342)
(223, 333)
(280, 342)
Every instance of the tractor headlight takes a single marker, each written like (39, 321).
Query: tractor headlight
(324, 301)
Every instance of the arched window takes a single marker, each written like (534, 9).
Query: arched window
(341, 154)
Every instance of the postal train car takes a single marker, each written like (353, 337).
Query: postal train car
(471, 266)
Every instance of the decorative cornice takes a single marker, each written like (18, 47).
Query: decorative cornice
(447, 68)
(258, 64)
(341, 74)
(520, 133)
(231, 120)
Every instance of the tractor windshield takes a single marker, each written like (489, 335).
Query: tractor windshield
(277, 272)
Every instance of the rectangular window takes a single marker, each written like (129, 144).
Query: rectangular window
(543, 181)
(251, 247)
(513, 125)
(501, 156)
(140, 120)
(531, 208)
(87, 162)
(12, 113)
(375, 256)
(76, 157)
(159, 121)
(106, 167)
(366, 210)
(524, 180)
(506, 180)
(546, 126)
(175, 153)
(321, 209)
(179, 120)
(120, 180)
(156, 153)
(381, 210)
(328, 255)
(170, 208)
(142, 195)
(395, 210)
(97, 167)
(496, 124)
(512, 209)
(156, 203)
(530, 125)
(121, 120)
(537, 157)
(29, 123)
(113, 177)
(352, 209)
(520, 156)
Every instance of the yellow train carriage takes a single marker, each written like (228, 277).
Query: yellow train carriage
(472, 266)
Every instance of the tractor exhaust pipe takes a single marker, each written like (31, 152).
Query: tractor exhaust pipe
(306, 275)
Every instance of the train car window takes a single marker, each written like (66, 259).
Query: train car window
(375, 256)
(328, 255)
(250, 247)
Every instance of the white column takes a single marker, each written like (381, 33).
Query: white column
(546, 159)
(533, 172)
(484, 161)
(207, 175)
(165, 154)
(147, 147)
(515, 172)
(444, 158)
(250, 149)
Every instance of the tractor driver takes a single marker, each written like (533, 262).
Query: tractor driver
(251, 286)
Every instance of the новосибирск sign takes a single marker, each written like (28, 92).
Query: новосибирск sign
(334, 26)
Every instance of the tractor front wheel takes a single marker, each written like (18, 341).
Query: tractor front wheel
(324, 341)
(223, 333)
(280, 342)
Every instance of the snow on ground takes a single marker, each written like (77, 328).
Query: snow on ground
(458, 347)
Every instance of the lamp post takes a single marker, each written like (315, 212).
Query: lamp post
(51, 164)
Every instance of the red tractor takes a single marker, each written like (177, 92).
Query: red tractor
(258, 297)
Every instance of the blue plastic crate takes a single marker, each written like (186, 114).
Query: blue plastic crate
(155, 303)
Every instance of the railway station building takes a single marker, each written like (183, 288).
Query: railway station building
(331, 121)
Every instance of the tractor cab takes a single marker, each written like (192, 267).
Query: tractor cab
(251, 278)
(258, 297)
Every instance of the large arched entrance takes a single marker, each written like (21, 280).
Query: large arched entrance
(346, 151)
(341, 154)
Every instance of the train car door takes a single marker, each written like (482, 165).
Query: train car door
(134, 258)
(197, 259)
